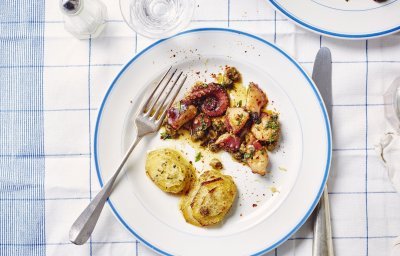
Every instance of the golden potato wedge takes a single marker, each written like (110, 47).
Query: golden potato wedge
(169, 170)
(210, 199)
(185, 206)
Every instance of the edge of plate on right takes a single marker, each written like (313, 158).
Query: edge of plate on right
(343, 19)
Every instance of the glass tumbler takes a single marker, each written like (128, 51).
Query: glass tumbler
(157, 18)
(392, 104)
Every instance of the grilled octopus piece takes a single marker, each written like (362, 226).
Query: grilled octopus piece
(213, 98)
(229, 142)
(178, 116)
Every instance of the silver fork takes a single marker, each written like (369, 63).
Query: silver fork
(148, 120)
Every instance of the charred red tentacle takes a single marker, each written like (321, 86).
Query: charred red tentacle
(215, 99)
(229, 142)
(216, 104)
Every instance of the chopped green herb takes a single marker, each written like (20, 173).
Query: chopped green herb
(239, 104)
(248, 155)
(274, 117)
(272, 124)
(203, 124)
(165, 136)
(198, 157)
(239, 119)
(271, 140)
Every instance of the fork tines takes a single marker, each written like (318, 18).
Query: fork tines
(163, 95)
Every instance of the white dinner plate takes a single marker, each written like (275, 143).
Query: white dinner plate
(261, 218)
(348, 19)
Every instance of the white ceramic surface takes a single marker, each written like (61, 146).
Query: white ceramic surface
(152, 215)
(352, 19)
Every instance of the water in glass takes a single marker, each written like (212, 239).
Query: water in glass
(157, 18)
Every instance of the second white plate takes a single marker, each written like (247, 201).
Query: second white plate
(352, 19)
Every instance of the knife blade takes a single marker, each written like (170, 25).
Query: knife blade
(322, 76)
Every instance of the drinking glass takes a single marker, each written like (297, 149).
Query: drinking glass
(392, 104)
(157, 18)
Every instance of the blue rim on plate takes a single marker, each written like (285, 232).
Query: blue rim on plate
(356, 10)
(316, 93)
(330, 33)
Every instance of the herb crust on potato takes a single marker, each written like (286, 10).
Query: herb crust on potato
(209, 200)
(169, 170)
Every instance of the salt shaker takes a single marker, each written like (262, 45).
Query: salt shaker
(84, 18)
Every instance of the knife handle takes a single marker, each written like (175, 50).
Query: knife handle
(322, 244)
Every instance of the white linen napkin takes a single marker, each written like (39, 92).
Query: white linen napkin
(396, 247)
(389, 153)
(76, 75)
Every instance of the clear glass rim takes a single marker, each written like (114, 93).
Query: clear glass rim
(396, 102)
(182, 25)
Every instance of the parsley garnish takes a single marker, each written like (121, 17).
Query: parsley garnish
(198, 157)
(248, 155)
(239, 119)
(203, 123)
(272, 139)
(272, 124)
(165, 136)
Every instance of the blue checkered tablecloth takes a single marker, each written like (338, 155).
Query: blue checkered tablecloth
(52, 84)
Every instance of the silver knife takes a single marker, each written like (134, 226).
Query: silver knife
(322, 76)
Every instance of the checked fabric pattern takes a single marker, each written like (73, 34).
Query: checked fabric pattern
(51, 86)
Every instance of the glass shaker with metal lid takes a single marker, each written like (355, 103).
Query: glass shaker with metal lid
(84, 18)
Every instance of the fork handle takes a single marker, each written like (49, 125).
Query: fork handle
(85, 223)
(322, 244)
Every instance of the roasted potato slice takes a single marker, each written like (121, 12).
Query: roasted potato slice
(169, 170)
(209, 200)
(185, 205)
(256, 99)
